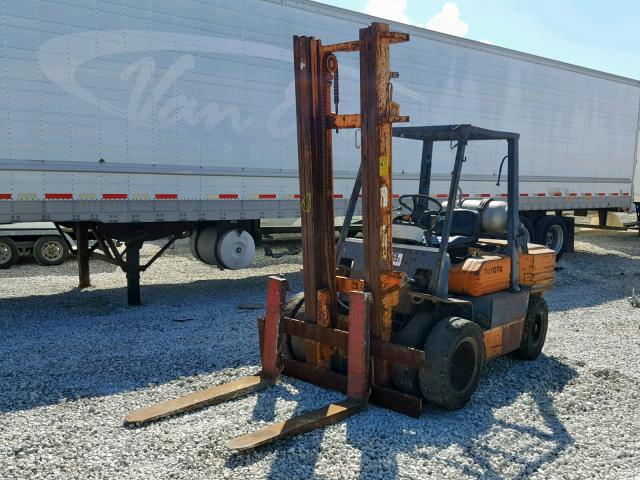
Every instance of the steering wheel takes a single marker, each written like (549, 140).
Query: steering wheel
(420, 214)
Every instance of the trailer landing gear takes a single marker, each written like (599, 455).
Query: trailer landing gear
(82, 253)
(132, 269)
(104, 246)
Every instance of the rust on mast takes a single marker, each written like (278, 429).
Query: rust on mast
(364, 335)
(378, 111)
(313, 77)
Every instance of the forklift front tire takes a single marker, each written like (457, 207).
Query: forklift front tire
(294, 347)
(454, 354)
(534, 331)
(413, 335)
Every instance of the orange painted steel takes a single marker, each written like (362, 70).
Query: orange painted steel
(313, 106)
(358, 375)
(481, 275)
(276, 292)
(344, 121)
(378, 111)
(485, 273)
(346, 284)
(503, 339)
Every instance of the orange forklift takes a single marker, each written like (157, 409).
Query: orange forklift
(411, 311)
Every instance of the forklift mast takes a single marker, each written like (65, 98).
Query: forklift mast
(363, 336)
(316, 68)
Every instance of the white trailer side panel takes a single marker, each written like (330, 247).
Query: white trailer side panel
(162, 111)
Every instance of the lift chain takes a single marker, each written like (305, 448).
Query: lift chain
(336, 91)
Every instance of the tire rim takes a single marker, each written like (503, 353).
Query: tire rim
(555, 238)
(527, 235)
(5, 253)
(463, 365)
(51, 251)
(236, 249)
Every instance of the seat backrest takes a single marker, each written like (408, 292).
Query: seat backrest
(465, 223)
(408, 233)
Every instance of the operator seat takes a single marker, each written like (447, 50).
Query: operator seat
(465, 230)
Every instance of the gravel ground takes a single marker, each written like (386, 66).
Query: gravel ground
(73, 363)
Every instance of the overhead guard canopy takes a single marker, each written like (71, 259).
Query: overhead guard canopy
(452, 133)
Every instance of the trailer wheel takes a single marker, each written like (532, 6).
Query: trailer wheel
(193, 242)
(551, 231)
(534, 331)
(8, 253)
(235, 249)
(454, 354)
(50, 250)
(203, 244)
(528, 226)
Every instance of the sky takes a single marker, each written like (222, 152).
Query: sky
(598, 34)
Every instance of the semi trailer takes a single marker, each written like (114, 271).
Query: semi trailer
(145, 120)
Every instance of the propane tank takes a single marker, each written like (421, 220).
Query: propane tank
(493, 214)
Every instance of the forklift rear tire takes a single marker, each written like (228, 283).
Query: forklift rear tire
(534, 331)
(8, 253)
(454, 352)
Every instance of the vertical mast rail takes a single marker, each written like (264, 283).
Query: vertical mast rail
(313, 102)
(378, 112)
